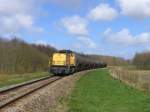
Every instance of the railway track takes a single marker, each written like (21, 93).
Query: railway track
(12, 94)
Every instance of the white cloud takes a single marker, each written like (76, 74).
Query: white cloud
(135, 8)
(75, 25)
(11, 7)
(78, 26)
(103, 12)
(88, 42)
(143, 38)
(124, 37)
(17, 15)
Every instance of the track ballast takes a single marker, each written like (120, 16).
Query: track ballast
(11, 95)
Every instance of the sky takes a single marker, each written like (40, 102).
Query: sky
(107, 27)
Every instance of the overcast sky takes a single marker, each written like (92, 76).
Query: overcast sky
(108, 27)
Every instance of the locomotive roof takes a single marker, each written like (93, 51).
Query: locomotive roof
(65, 51)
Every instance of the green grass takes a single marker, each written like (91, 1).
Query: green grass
(99, 92)
(10, 79)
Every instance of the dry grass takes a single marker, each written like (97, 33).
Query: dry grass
(136, 78)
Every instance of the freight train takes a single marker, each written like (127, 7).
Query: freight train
(65, 62)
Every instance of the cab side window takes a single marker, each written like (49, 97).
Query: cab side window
(71, 55)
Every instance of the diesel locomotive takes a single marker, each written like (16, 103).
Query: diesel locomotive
(66, 62)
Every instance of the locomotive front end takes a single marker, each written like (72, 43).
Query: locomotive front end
(62, 62)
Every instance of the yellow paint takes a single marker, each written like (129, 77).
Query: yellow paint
(59, 59)
(72, 59)
(62, 59)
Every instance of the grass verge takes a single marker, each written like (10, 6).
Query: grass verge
(99, 92)
(7, 80)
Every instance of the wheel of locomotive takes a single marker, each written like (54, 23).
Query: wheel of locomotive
(73, 70)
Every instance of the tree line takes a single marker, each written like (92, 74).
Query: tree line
(17, 56)
(142, 60)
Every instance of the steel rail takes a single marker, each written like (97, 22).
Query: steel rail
(27, 93)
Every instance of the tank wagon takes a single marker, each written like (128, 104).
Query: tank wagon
(66, 62)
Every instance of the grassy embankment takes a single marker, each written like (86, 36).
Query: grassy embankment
(99, 92)
(10, 79)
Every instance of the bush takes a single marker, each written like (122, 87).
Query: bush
(142, 60)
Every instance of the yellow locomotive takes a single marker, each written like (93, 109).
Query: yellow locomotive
(63, 62)
(68, 62)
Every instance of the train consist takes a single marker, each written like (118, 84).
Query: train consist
(66, 62)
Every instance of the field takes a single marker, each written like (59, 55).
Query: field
(99, 92)
(136, 78)
(10, 79)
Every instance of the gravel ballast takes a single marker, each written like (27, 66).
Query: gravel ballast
(44, 99)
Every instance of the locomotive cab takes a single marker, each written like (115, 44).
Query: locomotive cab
(62, 62)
